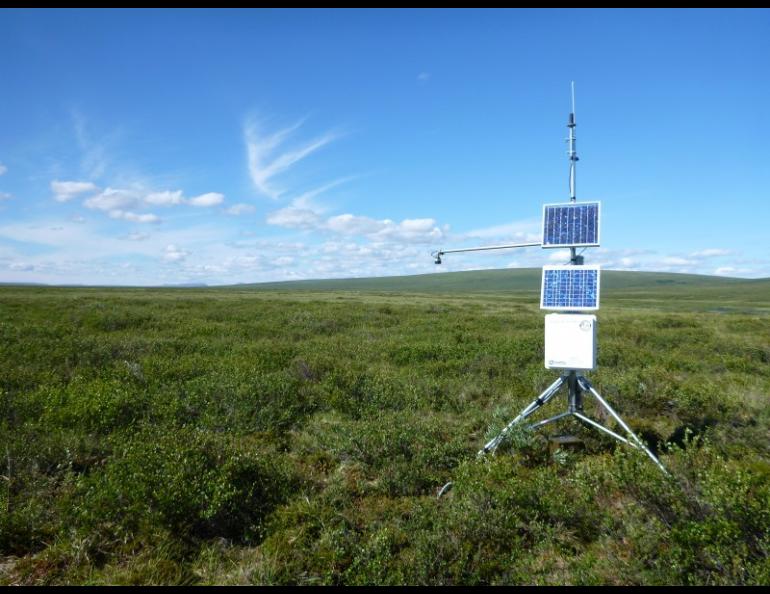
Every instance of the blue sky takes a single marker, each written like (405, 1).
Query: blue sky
(158, 146)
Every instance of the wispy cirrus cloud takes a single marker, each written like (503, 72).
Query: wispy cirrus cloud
(269, 156)
(3, 169)
(94, 160)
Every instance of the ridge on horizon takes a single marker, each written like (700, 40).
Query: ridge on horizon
(465, 280)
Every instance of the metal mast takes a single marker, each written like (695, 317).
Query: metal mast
(575, 396)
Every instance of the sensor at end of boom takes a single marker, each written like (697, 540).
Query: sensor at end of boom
(436, 257)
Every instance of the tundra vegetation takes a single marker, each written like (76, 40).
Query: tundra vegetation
(299, 435)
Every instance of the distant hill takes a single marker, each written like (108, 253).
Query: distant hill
(661, 289)
(642, 289)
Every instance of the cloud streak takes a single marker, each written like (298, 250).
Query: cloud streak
(93, 154)
(267, 159)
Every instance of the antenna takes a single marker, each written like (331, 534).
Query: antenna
(573, 159)
(570, 336)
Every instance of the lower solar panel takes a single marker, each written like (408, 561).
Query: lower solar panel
(574, 288)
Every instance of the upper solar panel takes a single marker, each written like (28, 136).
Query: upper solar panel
(574, 224)
(570, 288)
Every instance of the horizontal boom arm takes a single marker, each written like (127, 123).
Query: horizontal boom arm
(437, 255)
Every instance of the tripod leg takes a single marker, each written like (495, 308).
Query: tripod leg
(587, 386)
(600, 427)
(551, 420)
(547, 394)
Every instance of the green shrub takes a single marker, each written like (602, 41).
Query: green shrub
(190, 483)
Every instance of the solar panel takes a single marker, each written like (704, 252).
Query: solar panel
(570, 287)
(571, 224)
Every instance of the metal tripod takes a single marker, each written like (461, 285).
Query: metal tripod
(577, 385)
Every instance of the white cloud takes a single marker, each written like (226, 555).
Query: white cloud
(86, 253)
(294, 218)
(526, 231)
(67, 190)
(167, 198)
(3, 169)
(265, 162)
(710, 253)
(239, 209)
(120, 203)
(304, 212)
(423, 77)
(410, 230)
(134, 217)
(384, 230)
(137, 236)
(628, 263)
(5, 196)
(738, 272)
(725, 270)
(676, 261)
(90, 253)
(209, 199)
(174, 254)
(348, 224)
(559, 256)
(112, 199)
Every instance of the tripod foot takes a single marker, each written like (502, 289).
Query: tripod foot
(633, 440)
